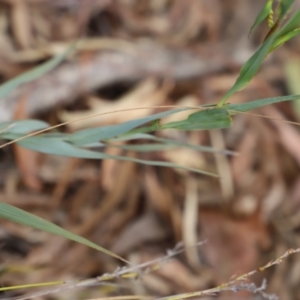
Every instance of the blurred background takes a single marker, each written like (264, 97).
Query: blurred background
(141, 53)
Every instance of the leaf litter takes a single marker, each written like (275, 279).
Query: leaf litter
(150, 53)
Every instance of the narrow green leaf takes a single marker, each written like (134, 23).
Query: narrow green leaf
(145, 147)
(249, 69)
(62, 148)
(20, 216)
(206, 119)
(22, 126)
(145, 136)
(285, 6)
(264, 13)
(292, 23)
(33, 74)
(154, 126)
(280, 41)
(288, 31)
(243, 107)
(93, 135)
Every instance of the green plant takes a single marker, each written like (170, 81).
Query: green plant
(81, 143)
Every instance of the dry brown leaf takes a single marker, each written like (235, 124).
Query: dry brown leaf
(145, 229)
(64, 179)
(53, 166)
(109, 169)
(5, 39)
(27, 160)
(282, 291)
(164, 202)
(287, 134)
(188, 101)
(185, 157)
(28, 166)
(178, 273)
(241, 164)
(42, 27)
(21, 23)
(157, 284)
(233, 246)
(193, 17)
(190, 222)
(147, 93)
(113, 198)
(273, 199)
(223, 166)
(116, 222)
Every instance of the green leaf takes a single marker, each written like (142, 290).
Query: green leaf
(285, 6)
(59, 147)
(206, 119)
(145, 136)
(249, 69)
(266, 10)
(292, 23)
(154, 126)
(22, 126)
(33, 74)
(17, 215)
(280, 41)
(288, 31)
(145, 147)
(93, 135)
(243, 107)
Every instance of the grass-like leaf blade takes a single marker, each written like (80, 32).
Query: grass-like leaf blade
(33, 74)
(146, 147)
(280, 41)
(62, 148)
(288, 31)
(249, 69)
(266, 10)
(244, 107)
(202, 120)
(285, 6)
(20, 216)
(93, 135)
(145, 136)
(22, 126)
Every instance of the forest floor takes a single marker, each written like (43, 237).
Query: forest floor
(147, 53)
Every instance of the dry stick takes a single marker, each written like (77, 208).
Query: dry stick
(128, 297)
(229, 285)
(125, 272)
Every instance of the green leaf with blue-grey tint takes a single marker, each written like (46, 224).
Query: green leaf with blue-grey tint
(33, 74)
(206, 119)
(145, 136)
(93, 135)
(57, 146)
(243, 107)
(22, 126)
